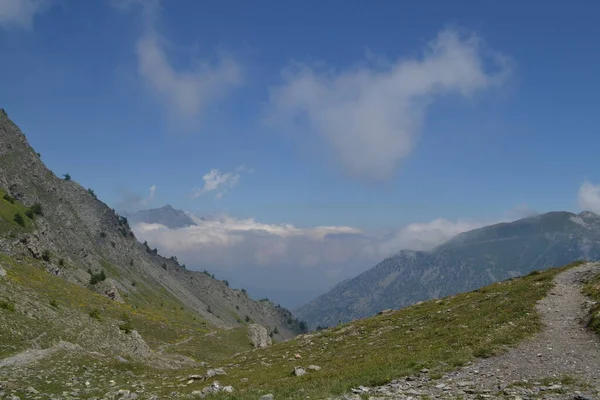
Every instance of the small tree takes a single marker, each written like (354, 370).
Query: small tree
(19, 220)
(247, 318)
(226, 282)
(29, 213)
(276, 330)
(8, 198)
(46, 255)
(37, 209)
(91, 192)
(67, 177)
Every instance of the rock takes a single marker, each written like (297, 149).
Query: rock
(244, 380)
(228, 389)
(386, 311)
(424, 371)
(581, 397)
(259, 336)
(314, 368)
(298, 371)
(266, 397)
(214, 372)
(195, 377)
(123, 392)
(31, 390)
(2, 272)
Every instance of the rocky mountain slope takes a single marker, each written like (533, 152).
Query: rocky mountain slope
(77, 237)
(166, 215)
(468, 261)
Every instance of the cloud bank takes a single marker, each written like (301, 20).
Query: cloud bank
(283, 257)
(20, 13)
(370, 115)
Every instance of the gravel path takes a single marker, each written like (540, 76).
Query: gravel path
(536, 368)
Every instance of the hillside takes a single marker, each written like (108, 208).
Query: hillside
(466, 262)
(77, 237)
(431, 350)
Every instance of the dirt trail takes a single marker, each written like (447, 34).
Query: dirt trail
(536, 368)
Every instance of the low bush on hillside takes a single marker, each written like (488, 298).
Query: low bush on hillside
(46, 255)
(7, 305)
(9, 198)
(18, 218)
(97, 277)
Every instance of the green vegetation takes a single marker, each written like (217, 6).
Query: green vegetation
(18, 218)
(12, 214)
(97, 278)
(46, 255)
(95, 313)
(37, 209)
(7, 305)
(54, 303)
(92, 193)
(592, 289)
(439, 335)
(67, 177)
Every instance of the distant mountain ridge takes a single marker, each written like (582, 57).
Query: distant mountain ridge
(166, 215)
(466, 262)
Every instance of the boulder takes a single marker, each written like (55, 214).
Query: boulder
(2, 272)
(298, 371)
(259, 336)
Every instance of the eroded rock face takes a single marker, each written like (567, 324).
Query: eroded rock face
(259, 336)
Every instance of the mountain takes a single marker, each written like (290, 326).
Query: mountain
(466, 262)
(167, 216)
(57, 225)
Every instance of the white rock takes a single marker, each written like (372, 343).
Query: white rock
(266, 397)
(314, 368)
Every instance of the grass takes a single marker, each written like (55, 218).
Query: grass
(87, 318)
(592, 290)
(438, 335)
(13, 215)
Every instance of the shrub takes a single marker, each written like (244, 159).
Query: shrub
(131, 263)
(243, 290)
(95, 314)
(91, 192)
(276, 330)
(96, 278)
(164, 266)
(8, 198)
(67, 177)
(29, 213)
(19, 219)
(113, 244)
(7, 305)
(102, 235)
(61, 262)
(37, 209)
(126, 326)
(133, 283)
(54, 303)
(209, 309)
(303, 326)
(46, 255)
(247, 318)
(226, 282)
(237, 307)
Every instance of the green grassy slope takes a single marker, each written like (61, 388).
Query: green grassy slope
(41, 309)
(439, 335)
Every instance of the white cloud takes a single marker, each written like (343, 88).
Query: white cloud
(423, 235)
(218, 182)
(184, 92)
(371, 115)
(152, 193)
(589, 197)
(20, 13)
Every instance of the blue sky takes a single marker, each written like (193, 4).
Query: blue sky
(277, 94)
